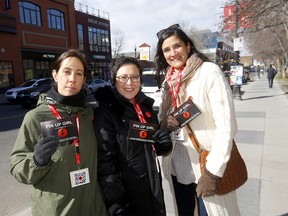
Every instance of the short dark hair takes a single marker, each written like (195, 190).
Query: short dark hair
(71, 53)
(119, 62)
(162, 35)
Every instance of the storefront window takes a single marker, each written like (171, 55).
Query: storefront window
(6, 75)
(42, 69)
(100, 70)
(28, 68)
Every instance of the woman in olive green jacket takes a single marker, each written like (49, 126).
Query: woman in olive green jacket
(61, 167)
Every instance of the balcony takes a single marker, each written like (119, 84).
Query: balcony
(90, 10)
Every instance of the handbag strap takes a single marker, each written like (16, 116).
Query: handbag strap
(193, 138)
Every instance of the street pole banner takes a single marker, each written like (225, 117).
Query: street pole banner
(230, 16)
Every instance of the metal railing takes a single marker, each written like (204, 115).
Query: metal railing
(90, 10)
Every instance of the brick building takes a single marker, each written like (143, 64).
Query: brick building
(33, 33)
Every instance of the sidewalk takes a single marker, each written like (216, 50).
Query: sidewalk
(262, 136)
(262, 117)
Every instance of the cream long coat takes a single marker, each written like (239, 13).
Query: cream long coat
(215, 129)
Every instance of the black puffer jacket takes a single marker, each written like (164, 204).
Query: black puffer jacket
(127, 170)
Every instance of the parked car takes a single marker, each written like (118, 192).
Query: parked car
(151, 88)
(93, 84)
(11, 94)
(29, 97)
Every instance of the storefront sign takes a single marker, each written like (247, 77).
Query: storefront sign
(98, 57)
(48, 56)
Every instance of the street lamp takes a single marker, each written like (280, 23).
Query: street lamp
(135, 47)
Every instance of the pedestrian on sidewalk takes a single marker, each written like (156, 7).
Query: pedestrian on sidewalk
(257, 70)
(128, 169)
(271, 73)
(63, 182)
(190, 74)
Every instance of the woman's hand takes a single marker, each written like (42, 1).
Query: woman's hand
(170, 124)
(207, 184)
(163, 142)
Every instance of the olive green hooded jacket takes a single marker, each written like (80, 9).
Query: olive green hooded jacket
(52, 191)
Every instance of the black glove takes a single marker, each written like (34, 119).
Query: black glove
(114, 208)
(207, 184)
(44, 149)
(162, 141)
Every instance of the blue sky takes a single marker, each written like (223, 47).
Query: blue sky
(140, 20)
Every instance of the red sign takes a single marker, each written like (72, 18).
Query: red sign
(230, 17)
(245, 19)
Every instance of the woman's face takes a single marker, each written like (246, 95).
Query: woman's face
(130, 88)
(70, 77)
(175, 51)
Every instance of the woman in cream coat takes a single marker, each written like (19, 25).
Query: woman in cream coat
(190, 74)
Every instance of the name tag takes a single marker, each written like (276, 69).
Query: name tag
(79, 177)
(178, 135)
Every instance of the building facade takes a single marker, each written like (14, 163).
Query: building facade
(94, 39)
(218, 49)
(34, 33)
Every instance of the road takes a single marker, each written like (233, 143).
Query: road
(12, 191)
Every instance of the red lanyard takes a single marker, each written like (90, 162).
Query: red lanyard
(174, 91)
(141, 118)
(139, 112)
(76, 141)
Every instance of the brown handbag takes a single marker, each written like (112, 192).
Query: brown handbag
(235, 173)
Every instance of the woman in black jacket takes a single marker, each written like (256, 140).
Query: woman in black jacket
(128, 170)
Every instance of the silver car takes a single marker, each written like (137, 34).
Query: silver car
(11, 94)
(150, 87)
(93, 84)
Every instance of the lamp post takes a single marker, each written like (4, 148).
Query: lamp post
(135, 50)
(236, 87)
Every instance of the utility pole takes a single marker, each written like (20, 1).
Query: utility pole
(236, 87)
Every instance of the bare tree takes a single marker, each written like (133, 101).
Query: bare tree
(267, 37)
(262, 13)
(118, 43)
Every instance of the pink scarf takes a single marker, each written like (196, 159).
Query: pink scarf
(192, 64)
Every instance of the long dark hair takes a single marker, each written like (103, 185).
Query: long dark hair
(161, 63)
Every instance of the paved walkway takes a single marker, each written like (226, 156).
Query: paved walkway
(262, 138)
(262, 117)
